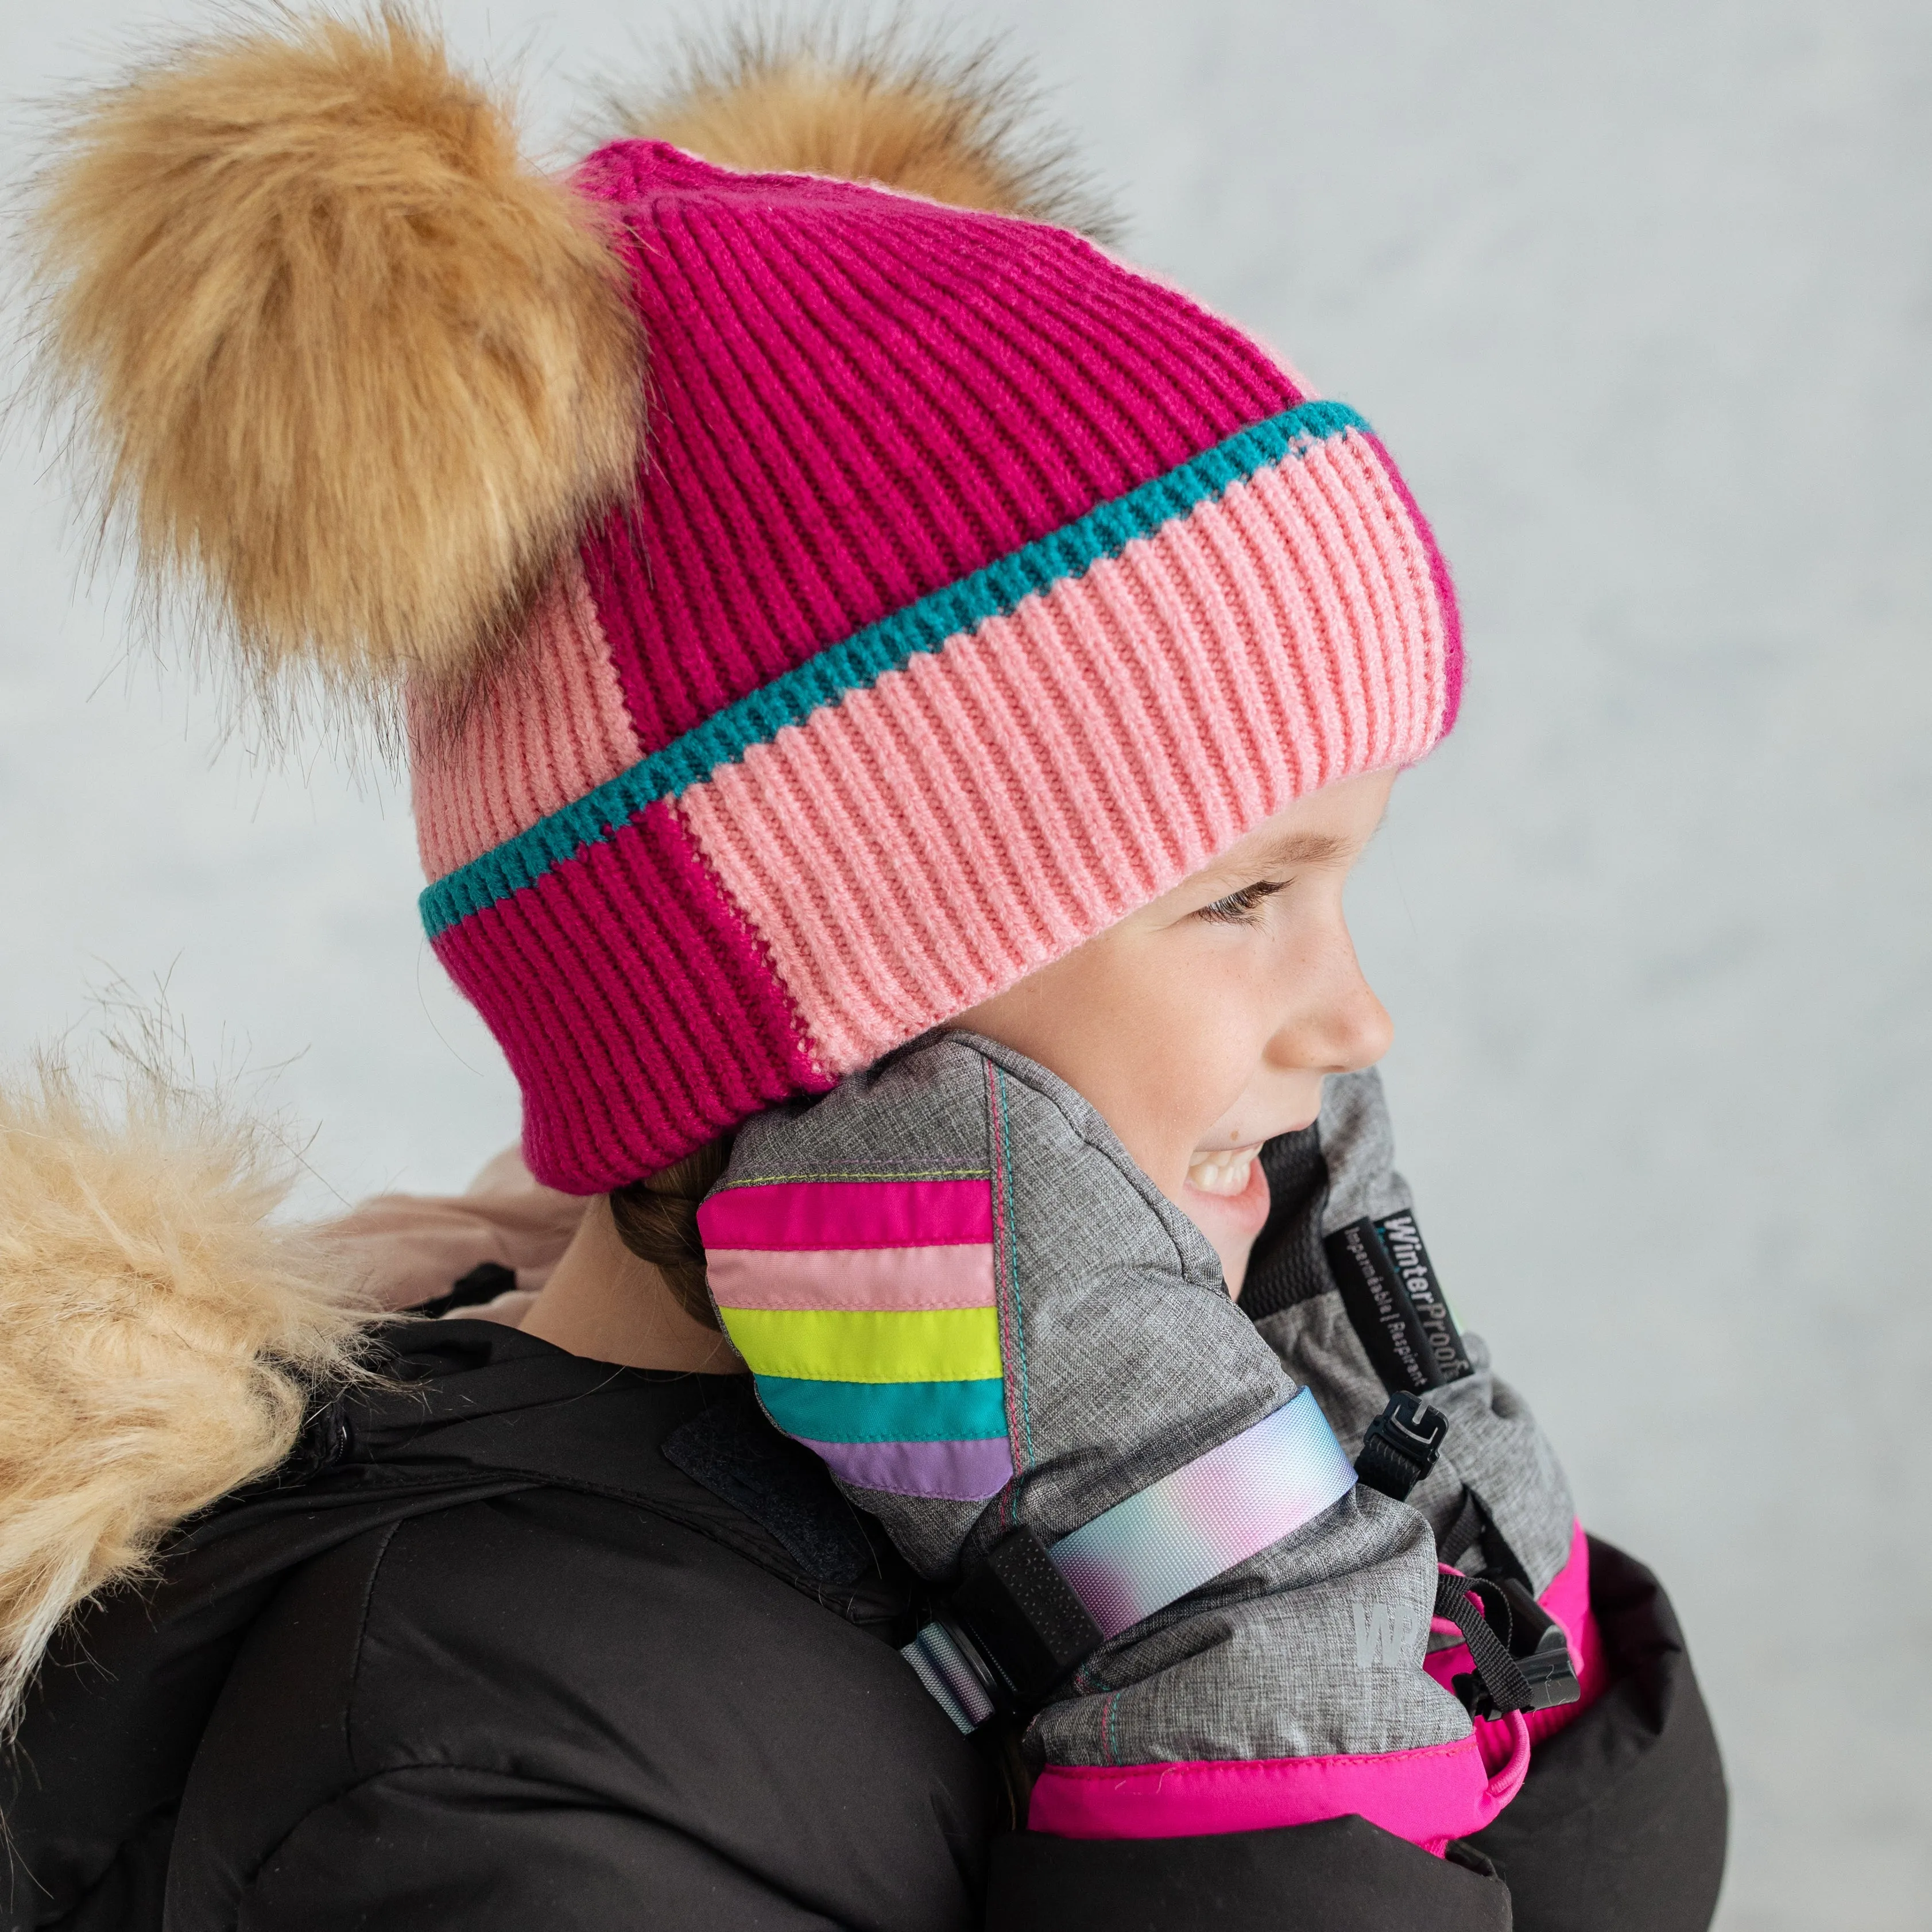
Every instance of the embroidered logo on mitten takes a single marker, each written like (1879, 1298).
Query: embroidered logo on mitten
(1390, 1636)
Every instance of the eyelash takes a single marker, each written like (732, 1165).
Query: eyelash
(1239, 908)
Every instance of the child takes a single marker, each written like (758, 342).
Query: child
(893, 695)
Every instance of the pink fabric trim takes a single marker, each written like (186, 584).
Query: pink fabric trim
(807, 1214)
(548, 726)
(852, 1278)
(914, 848)
(1428, 1796)
(1567, 1597)
(1567, 1600)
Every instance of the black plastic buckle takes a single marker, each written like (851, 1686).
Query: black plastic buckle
(1536, 1644)
(1401, 1446)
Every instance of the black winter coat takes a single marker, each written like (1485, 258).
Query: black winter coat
(528, 1640)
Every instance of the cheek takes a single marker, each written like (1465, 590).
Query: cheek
(1219, 1016)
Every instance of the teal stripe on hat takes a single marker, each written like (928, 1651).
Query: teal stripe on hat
(885, 1412)
(860, 661)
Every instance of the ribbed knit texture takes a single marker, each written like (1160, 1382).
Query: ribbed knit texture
(975, 590)
(552, 726)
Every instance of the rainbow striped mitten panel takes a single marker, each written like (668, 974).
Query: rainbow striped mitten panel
(866, 1308)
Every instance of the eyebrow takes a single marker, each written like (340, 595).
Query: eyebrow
(1292, 848)
(1304, 848)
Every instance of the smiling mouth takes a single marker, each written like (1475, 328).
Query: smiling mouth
(1226, 1173)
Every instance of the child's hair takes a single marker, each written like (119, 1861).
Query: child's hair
(657, 1220)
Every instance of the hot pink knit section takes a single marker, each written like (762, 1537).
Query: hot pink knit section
(543, 731)
(637, 1009)
(913, 849)
(857, 397)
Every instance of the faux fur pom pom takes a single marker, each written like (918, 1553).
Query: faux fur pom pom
(827, 98)
(351, 369)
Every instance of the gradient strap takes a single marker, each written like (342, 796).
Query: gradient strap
(1220, 1509)
(1020, 1621)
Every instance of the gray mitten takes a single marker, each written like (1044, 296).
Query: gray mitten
(953, 1283)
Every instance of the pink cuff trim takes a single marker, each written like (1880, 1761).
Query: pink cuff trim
(1567, 1600)
(1427, 1796)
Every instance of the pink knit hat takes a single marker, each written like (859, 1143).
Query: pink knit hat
(974, 589)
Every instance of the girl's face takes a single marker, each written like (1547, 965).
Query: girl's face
(1203, 1024)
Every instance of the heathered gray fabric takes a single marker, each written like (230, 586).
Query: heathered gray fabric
(1130, 1362)
(1494, 1445)
(1313, 1647)
(1359, 1145)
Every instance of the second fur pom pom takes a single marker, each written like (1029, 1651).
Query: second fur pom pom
(351, 370)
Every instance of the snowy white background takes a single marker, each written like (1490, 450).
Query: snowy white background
(1642, 297)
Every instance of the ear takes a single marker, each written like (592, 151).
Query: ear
(350, 367)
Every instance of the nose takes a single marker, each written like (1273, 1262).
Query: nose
(1334, 1023)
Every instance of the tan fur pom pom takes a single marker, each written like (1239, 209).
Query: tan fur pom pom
(160, 1339)
(349, 368)
(876, 108)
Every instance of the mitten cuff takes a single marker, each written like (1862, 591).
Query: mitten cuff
(1428, 1795)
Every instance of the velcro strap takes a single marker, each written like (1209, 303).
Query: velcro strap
(1217, 1511)
(1025, 1615)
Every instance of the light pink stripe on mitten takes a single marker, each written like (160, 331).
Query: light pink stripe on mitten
(904, 1279)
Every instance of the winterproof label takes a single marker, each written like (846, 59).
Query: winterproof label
(1393, 1299)
(1402, 1242)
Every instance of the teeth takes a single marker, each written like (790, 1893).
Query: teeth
(1222, 1173)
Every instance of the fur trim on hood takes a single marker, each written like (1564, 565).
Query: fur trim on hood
(160, 1341)
(904, 112)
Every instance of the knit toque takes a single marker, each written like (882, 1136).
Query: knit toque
(966, 590)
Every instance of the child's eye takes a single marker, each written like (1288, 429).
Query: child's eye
(1239, 908)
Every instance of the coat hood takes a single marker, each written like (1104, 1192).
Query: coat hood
(461, 1412)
